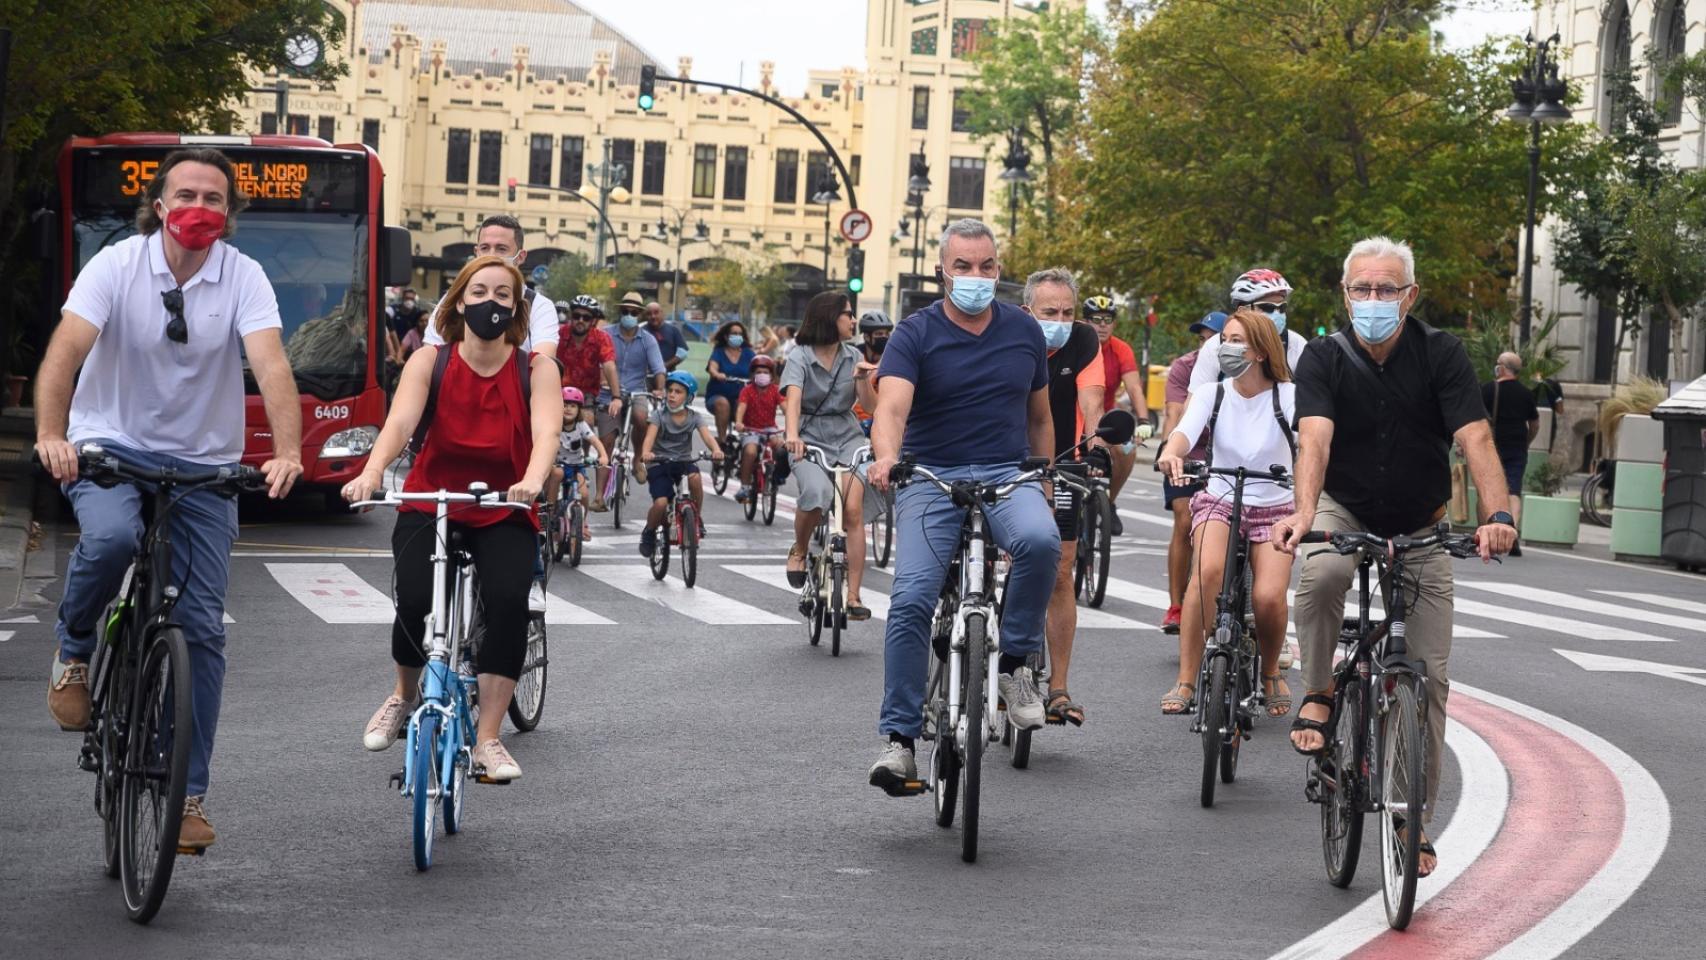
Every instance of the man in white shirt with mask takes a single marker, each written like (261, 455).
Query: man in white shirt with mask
(501, 235)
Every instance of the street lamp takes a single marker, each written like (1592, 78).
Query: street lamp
(605, 179)
(700, 233)
(1539, 99)
(917, 185)
(1015, 174)
(827, 193)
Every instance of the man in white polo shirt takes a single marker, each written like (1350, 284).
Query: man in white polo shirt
(155, 321)
(500, 235)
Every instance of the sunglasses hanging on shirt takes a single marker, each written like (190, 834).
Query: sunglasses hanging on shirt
(177, 330)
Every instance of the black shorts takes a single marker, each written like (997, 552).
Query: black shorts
(1068, 504)
(1169, 493)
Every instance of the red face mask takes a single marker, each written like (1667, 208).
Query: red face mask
(195, 227)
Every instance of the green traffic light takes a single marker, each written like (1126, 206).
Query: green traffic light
(856, 284)
(1321, 331)
(646, 101)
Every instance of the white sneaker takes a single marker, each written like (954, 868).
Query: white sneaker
(1287, 656)
(499, 765)
(536, 598)
(1024, 703)
(894, 766)
(387, 723)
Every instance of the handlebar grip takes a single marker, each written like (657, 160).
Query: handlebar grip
(1316, 536)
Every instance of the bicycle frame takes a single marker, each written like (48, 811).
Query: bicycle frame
(975, 598)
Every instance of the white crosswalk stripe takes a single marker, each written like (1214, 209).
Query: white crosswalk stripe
(333, 592)
(1147, 518)
(1659, 600)
(776, 575)
(1376, 611)
(696, 602)
(1568, 601)
(560, 611)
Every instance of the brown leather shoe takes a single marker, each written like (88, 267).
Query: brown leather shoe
(68, 694)
(196, 834)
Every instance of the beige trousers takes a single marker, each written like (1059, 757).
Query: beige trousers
(1320, 611)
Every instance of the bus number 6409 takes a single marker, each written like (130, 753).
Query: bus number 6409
(336, 411)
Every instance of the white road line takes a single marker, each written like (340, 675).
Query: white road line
(6, 635)
(1646, 833)
(1570, 601)
(1658, 600)
(333, 592)
(696, 602)
(1475, 821)
(1545, 621)
(776, 575)
(26, 618)
(1148, 518)
(1458, 630)
(560, 611)
(1137, 593)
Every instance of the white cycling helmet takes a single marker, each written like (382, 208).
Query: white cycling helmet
(1257, 284)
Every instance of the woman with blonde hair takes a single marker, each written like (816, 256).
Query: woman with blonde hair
(1250, 414)
(496, 421)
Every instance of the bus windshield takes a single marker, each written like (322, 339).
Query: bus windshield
(317, 265)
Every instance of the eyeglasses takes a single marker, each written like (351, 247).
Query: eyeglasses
(844, 313)
(1385, 291)
(1102, 321)
(1268, 308)
(580, 317)
(177, 330)
(629, 313)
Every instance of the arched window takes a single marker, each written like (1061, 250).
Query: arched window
(1670, 35)
(1614, 62)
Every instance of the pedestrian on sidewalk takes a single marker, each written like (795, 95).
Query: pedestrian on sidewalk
(1516, 422)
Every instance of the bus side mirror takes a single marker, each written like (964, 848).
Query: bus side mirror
(396, 258)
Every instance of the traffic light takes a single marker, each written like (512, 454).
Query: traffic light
(855, 269)
(1320, 329)
(511, 189)
(648, 85)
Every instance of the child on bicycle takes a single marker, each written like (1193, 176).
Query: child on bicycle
(668, 454)
(756, 416)
(577, 437)
(1250, 413)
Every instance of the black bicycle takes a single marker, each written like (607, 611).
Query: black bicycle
(140, 722)
(1229, 690)
(1095, 534)
(1375, 756)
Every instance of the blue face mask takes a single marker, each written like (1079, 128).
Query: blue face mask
(1278, 317)
(1055, 333)
(972, 295)
(629, 321)
(1376, 320)
(735, 340)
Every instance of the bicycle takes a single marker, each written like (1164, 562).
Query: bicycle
(681, 528)
(1379, 713)
(565, 520)
(1095, 534)
(723, 472)
(882, 530)
(440, 734)
(622, 453)
(1596, 493)
(765, 486)
(823, 600)
(138, 742)
(1229, 691)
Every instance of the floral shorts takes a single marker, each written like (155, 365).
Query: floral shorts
(1258, 521)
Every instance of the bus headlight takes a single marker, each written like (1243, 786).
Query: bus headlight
(354, 442)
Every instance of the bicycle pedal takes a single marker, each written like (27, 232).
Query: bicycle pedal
(479, 775)
(191, 851)
(906, 788)
(397, 780)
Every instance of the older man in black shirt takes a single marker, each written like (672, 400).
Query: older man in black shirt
(1378, 407)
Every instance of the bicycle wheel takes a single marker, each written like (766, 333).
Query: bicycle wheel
(760, 486)
(109, 739)
(619, 494)
(528, 703)
(812, 601)
(1341, 803)
(156, 767)
(1021, 748)
(556, 542)
(882, 534)
(1101, 549)
(689, 545)
(720, 473)
(837, 611)
(660, 556)
(1081, 559)
(457, 770)
(1233, 742)
(1596, 504)
(770, 494)
(577, 527)
(971, 762)
(1215, 718)
(425, 788)
(1403, 793)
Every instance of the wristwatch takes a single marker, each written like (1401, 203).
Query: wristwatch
(1503, 517)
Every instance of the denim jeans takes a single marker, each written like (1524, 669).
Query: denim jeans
(203, 527)
(927, 528)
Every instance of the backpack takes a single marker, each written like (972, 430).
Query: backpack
(1279, 414)
(440, 364)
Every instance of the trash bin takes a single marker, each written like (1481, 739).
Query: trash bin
(1682, 536)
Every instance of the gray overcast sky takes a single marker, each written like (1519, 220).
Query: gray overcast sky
(801, 35)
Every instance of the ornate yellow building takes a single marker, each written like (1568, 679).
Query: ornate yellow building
(459, 97)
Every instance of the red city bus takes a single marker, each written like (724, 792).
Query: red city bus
(315, 224)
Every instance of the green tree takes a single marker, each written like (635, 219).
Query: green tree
(93, 67)
(1212, 146)
(572, 275)
(752, 288)
(1031, 73)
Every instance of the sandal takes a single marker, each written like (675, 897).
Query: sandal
(1425, 848)
(1174, 705)
(1062, 710)
(796, 578)
(1279, 704)
(857, 611)
(1304, 724)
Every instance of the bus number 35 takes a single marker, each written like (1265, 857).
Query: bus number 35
(336, 411)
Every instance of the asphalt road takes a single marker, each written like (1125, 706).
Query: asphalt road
(697, 786)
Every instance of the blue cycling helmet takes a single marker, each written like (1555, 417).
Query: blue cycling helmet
(685, 380)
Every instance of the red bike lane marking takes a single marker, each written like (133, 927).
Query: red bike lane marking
(1564, 823)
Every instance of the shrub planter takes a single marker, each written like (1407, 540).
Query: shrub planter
(1555, 520)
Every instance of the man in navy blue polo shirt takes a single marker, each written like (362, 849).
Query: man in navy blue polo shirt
(965, 392)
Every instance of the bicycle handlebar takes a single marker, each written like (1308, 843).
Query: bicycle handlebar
(490, 499)
(1460, 545)
(962, 492)
(816, 454)
(1200, 470)
(101, 467)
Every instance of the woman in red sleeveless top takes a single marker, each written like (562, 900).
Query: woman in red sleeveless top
(482, 431)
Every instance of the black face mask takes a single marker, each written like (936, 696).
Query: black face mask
(875, 345)
(487, 319)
